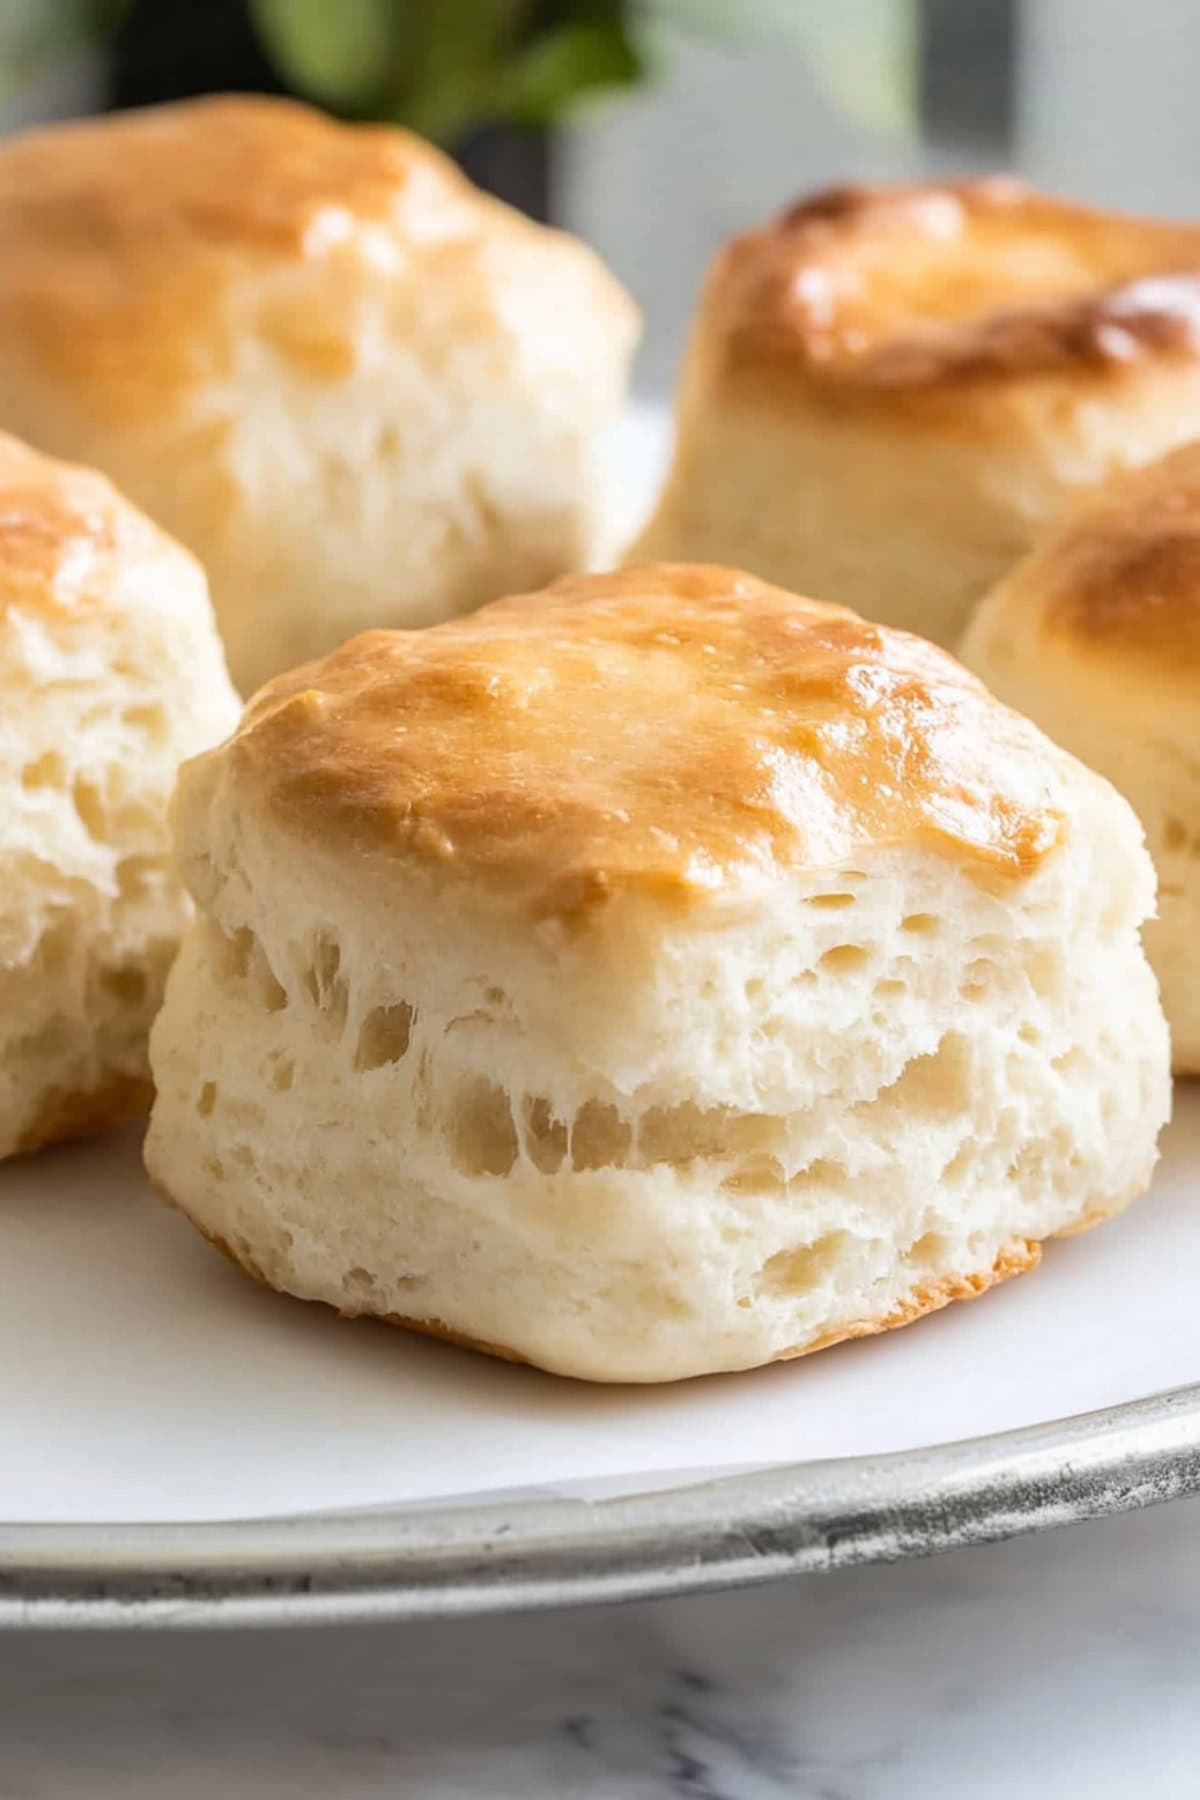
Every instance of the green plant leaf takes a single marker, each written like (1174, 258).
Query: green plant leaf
(445, 111)
(336, 51)
(447, 66)
(443, 62)
(562, 64)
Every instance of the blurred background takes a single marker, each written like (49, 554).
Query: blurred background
(654, 128)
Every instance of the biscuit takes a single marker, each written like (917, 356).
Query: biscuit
(361, 391)
(654, 975)
(1096, 636)
(110, 673)
(889, 391)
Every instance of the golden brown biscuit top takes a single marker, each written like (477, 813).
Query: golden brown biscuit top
(66, 535)
(246, 171)
(1120, 577)
(671, 730)
(123, 235)
(878, 290)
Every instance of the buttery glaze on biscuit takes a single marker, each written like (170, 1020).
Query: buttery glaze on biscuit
(879, 290)
(667, 729)
(1123, 574)
(64, 535)
(122, 234)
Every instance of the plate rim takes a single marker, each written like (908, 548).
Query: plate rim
(413, 1563)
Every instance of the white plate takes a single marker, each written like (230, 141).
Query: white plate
(154, 1404)
(142, 1378)
(153, 1401)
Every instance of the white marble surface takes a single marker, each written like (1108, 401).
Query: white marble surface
(1057, 1666)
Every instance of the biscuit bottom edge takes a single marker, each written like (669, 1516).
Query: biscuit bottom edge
(1016, 1258)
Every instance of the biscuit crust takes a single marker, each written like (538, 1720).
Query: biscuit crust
(881, 292)
(741, 731)
(67, 538)
(1119, 580)
(124, 236)
(929, 1297)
